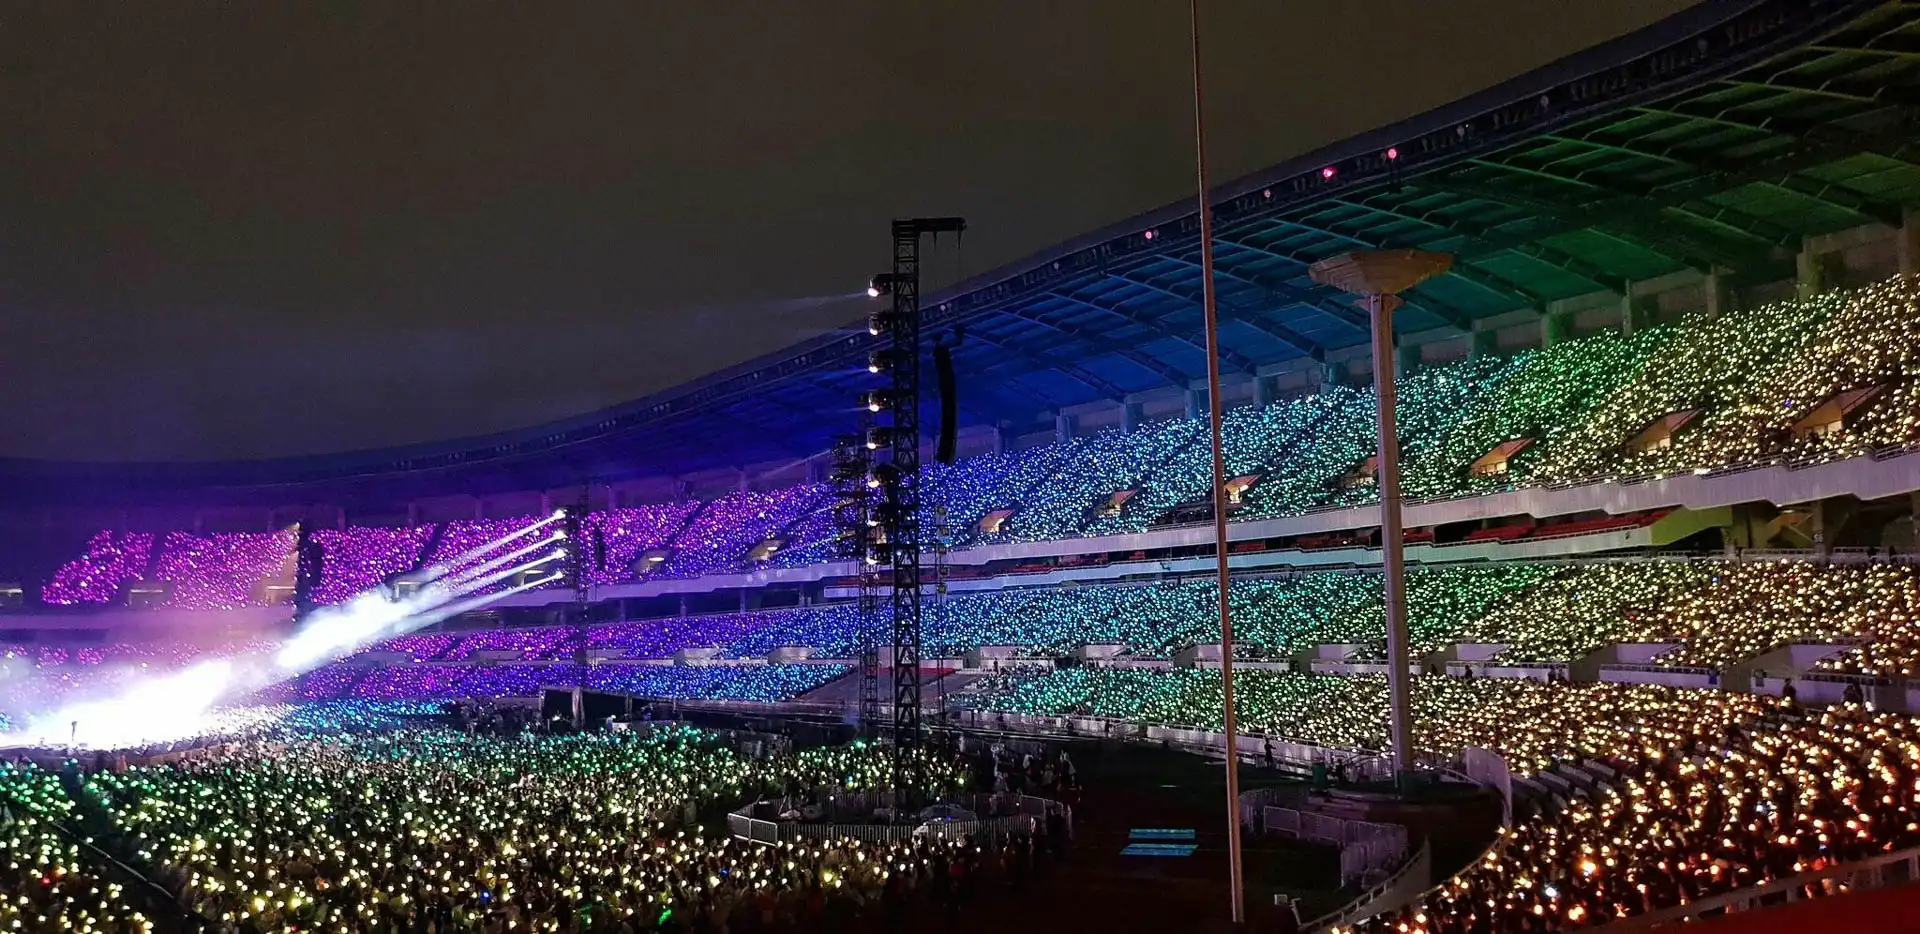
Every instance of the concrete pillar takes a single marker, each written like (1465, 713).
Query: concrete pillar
(1486, 343)
(1809, 274)
(1265, 390)
(1554, 328)
(1908, 246)
(1328, 374)
(1636, 314)
(1717, 299)
(1406, 359)
(1062, 427)
(1913, 517)
(1392, 547)
(743, 601)
(546, 503)
(479, 508)
(683, 604)
(1001, 439)
(413, 513)
(746, 483)
(1129, 417)
(1817, 526)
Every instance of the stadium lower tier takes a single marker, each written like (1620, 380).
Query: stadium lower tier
(1801, 381)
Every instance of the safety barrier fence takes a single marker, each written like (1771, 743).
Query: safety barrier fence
(988, 819)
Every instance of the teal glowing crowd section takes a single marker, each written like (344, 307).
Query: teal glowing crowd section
(1701, 394)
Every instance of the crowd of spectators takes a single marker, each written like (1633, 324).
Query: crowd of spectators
(223, 571)
(626, 534)
(1709, 809)
(108, 561)
(430, 681)
(1714, 614)
(47, 886)
(357, 559)
(718, 537)
(444, 830)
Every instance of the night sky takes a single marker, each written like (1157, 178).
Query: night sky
(261, 229)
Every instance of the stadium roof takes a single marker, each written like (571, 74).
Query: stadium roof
(1715, 140)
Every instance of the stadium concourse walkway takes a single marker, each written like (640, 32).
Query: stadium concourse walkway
(1130, 788)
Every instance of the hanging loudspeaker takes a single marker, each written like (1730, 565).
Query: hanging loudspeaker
(949, 402)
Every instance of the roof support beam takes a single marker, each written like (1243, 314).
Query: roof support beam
(1252, 317)
(1865, 205)
(1159, 329)
(1229, 311)
(1477, 236)
(1636, 223)
(1048, 359)
(1280, 293)
(1622, 204)
(1501, 287)
(1452, 316)
(1103, 344)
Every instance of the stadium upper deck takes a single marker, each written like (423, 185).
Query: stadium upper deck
(1729, 149)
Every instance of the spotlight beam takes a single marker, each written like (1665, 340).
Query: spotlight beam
(475, 554)
(491, 563)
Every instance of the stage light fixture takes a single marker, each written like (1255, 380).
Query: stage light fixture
(881, 284)
(880, 361)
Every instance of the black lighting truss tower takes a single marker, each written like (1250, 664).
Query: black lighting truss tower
(899, 473)
(578, 554)
(855, 517)
(308, 565)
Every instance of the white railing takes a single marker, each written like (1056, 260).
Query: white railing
(1007, 814)
(1367, 848)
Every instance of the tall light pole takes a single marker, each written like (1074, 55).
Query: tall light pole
(1235, 876)
(1379, 277)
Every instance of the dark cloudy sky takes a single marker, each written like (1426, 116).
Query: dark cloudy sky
(256, 229)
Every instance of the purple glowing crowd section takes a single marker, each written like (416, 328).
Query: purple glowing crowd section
(463, 547)
(626, 535)
(223, 571)
(356, 560)
(111, 560)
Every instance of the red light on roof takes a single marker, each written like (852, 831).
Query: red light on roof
(1149, 235)
(1393, 152)
(1326, 172)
